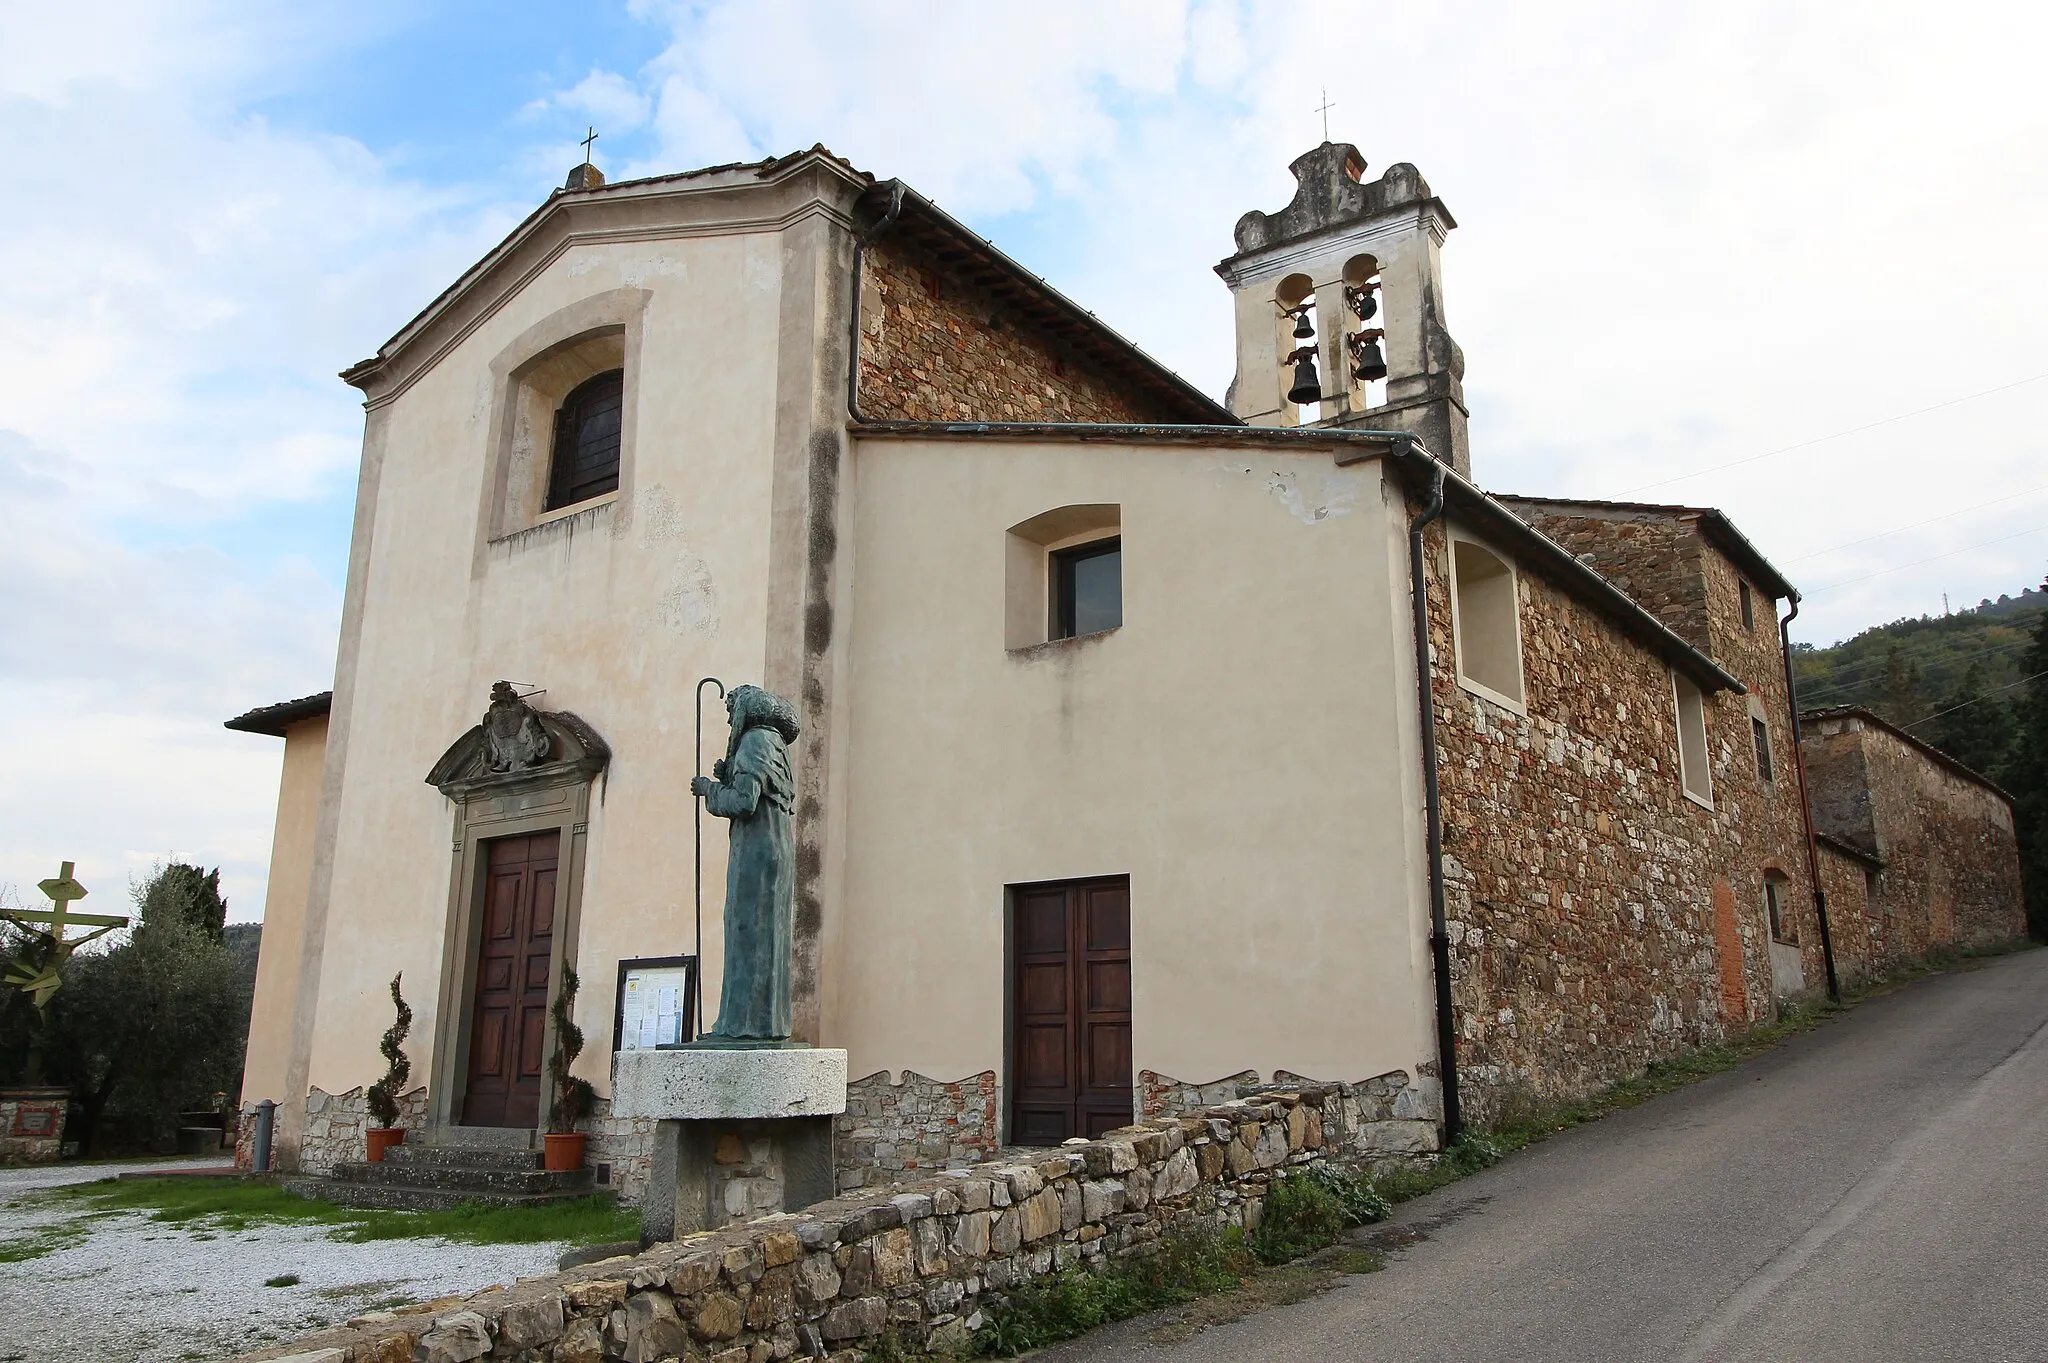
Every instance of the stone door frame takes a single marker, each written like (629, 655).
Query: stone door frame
(552, 800)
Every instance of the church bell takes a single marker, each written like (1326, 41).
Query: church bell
(1371, 364)
(1307, 387)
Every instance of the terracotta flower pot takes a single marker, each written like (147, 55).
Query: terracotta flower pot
(382, 1138)
(564, 1151)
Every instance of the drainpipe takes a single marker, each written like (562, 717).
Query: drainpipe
(860, 254)
(1425, 695)
(1820, 898)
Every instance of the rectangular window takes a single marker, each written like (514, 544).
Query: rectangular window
(1870, 904)
(1761, 732)
(1748, 607)
(1775, 909)
(1692, 740)
(1088, 588)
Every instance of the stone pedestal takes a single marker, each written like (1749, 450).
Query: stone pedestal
(738, 1134)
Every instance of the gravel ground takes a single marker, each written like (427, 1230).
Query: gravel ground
(29, 1176)
(123, 1287)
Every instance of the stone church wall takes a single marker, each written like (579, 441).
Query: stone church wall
(1598, 919)
(917, 1263)
(1654, 557)
(933, 349)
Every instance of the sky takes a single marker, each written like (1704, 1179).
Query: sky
(1774, 258)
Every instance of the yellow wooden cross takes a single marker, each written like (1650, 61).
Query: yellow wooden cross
(40, 981)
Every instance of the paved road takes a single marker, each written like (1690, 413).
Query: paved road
(1873, 1190)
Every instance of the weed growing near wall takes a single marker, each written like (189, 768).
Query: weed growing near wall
(1075, 1301)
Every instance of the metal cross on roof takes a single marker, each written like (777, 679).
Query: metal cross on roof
(1324, 109)
(593, 137)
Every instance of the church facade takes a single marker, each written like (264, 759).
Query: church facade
(1150, 745)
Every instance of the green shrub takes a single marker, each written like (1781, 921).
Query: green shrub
(1302, 1215)
(1075, 1301)
(1362, 1202)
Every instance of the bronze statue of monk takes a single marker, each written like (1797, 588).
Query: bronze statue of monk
(754, 788)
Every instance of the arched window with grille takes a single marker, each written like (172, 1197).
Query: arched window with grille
(585, 463)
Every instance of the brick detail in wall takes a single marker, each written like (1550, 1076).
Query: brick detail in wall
(907, 1128)
(933, 349)
(909, 1268)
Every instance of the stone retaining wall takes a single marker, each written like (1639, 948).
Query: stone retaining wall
(335, 1123)
(918, 1262)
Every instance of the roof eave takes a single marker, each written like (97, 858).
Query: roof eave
(274, 720)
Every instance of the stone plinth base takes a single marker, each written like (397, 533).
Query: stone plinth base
(701, 1085)
(737, 1134)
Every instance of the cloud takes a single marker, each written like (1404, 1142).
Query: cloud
(1689, 233)
(187, 281)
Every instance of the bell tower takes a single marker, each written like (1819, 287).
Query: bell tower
(1339, 302)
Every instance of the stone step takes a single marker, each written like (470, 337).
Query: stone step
(399, 1197)
(461, 1157)
(460, 1178)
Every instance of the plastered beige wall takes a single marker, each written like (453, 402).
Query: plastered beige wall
(616, 611)
(284, 911)
(1243, 748)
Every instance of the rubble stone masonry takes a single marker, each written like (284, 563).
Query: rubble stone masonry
(1944, 864)
(1600, 919)
(933, 349)
(916, 1265)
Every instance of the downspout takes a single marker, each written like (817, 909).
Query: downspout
(1425, 695)
(1820, 898)
(860, 254)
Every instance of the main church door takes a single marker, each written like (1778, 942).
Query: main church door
(1070, 996)
(508, 1024)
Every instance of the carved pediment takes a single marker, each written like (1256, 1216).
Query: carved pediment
(518, 747)
(1331, 191)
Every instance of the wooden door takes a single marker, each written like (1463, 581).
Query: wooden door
(515, 940)
(1070, 998)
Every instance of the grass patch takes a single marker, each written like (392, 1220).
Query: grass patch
(282, 1280)
(213, 1206)
(43, 1240)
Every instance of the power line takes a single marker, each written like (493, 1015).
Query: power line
(1968, 703)
(1862, 673)
(1901, 567)
(1949, 515)
(1823, 439)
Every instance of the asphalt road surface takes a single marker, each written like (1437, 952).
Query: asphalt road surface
(1874, 1189)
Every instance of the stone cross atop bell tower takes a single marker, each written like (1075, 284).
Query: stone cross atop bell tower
(1339, 300)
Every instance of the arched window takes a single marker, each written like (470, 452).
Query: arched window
(586, 455)
(1485, 621)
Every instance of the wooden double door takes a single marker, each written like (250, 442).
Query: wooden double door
(515, 948)
(1070, 999)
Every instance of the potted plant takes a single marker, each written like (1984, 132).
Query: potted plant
(572, 1095)
(383, 1095)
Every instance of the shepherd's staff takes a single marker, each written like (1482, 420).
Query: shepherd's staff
(697, 769)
